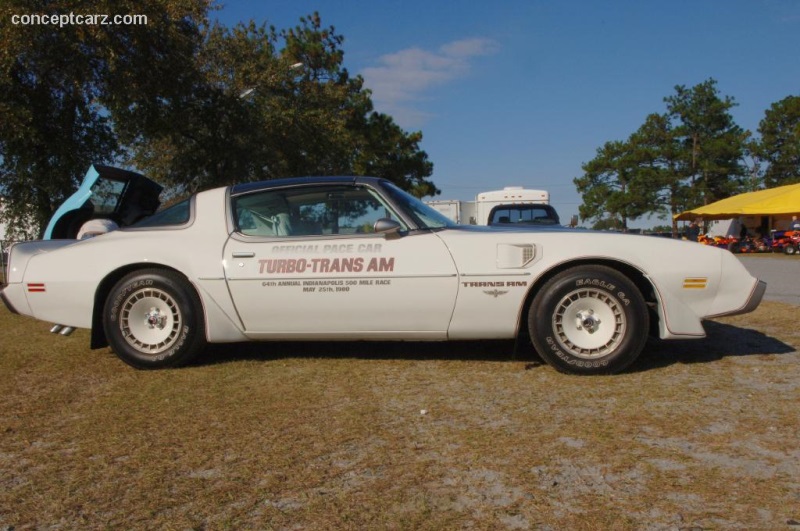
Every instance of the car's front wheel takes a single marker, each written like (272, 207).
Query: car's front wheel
(153, 319)
(588, 320)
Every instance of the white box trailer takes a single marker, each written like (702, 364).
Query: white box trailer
(462, 212)
(512, 204)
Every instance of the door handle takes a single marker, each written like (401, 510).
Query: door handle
(243, 254)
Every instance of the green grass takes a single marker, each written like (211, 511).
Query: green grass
(331, 436)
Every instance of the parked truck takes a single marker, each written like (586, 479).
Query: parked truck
(511, 205)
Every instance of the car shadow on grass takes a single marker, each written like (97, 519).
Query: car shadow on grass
(499, 351)
(722, 341)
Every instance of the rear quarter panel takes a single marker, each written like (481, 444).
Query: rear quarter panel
(73, 273)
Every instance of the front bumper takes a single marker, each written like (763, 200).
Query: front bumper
(752, 303)
(755, 298)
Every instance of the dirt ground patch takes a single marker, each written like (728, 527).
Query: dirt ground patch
(697, 435)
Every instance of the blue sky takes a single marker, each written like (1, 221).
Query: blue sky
(523, 92)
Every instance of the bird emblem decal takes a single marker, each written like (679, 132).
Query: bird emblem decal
(496, 292)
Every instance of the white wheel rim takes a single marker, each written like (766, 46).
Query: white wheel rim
(589, 323)
(150, 321)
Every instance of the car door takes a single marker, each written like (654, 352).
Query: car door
(306, 262)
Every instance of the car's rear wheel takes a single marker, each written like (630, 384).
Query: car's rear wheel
(153, 319)
(588, 320)
(789, 249)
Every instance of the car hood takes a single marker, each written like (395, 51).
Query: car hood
(514, 227)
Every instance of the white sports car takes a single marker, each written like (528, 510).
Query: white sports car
(356, 258)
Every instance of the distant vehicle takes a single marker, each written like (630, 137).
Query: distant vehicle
(787, 241)
(511, 205)
(356, 258)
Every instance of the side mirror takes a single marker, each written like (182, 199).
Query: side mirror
(388, 227)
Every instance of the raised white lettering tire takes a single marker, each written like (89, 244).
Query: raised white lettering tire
(588, 320)
(153, 319)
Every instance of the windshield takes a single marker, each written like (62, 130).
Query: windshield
(423, 215)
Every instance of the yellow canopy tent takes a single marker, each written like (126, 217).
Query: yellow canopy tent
(778, 201)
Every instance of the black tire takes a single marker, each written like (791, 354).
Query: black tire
(589, 320)
(153, 319)
(789, 249)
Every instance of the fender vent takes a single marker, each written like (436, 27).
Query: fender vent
(514, 256)
(527, 254)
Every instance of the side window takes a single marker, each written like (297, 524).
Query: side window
(309, 211)
(177, 214)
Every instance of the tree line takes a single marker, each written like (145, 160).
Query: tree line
(191, 103)
(691, 154)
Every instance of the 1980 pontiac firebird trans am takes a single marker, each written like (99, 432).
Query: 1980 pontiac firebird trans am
(356, 258)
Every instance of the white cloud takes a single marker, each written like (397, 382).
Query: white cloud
(402, 78)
